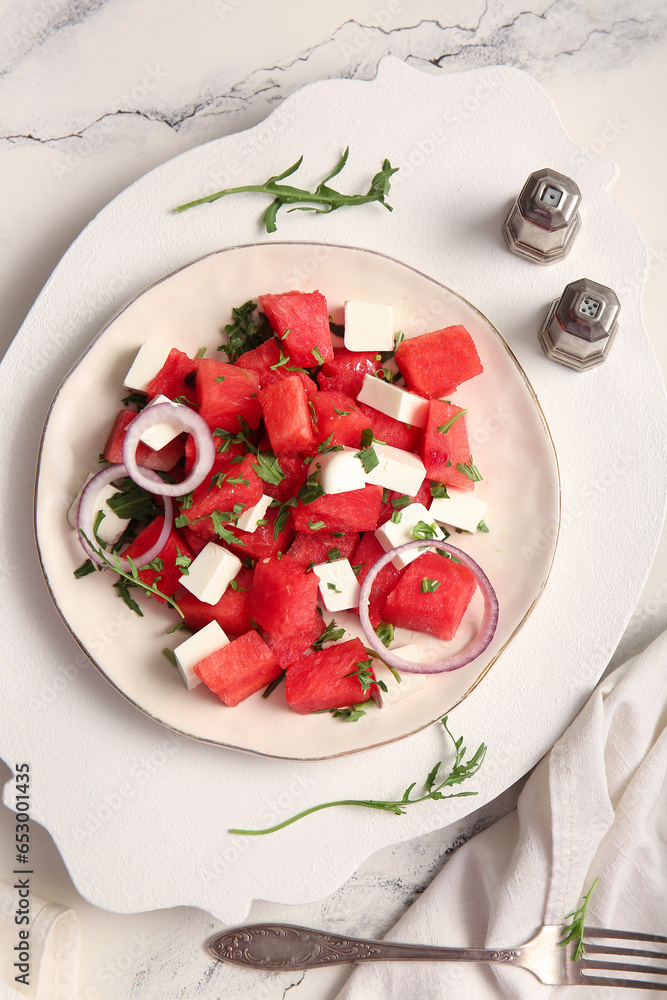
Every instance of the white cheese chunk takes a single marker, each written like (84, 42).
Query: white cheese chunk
(392, 534)
(210, 573)
(369, 326)
(111, 527)
(159, 435)
(339, 471)
(250, 517)
(397, 470)
(409, 682)
(394, 401)
(461, 510)
(147, 363)
(207, 640)
(339, 586)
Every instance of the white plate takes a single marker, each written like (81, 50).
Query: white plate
(510, 443)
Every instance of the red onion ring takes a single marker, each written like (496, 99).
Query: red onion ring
(85, 517)
(189, 421)
(474, 648)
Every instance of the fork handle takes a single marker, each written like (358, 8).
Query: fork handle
(286, 946)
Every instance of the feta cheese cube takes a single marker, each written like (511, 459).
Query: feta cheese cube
(369, 326)
(461, 510)
(111, 526)
(392, 534)
(339, 471)
(394, 401)
(339, 586)
(210, 573)
(207, 640)
(147, 363)
(409, 682)
(249, 518)
(159, 435)
(397, 470)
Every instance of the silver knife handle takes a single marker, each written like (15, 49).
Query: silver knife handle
(285, 946)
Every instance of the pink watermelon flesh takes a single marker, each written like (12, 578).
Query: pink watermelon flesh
(239, 669)
(439, 612)
(436, 363)
(300, 320)
(318, 680)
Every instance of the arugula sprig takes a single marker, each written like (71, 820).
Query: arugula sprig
(132, 579)
(245, 332)
(575, 930)
(323, 199)
(459, 772)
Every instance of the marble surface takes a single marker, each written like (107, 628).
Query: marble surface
(96, 93)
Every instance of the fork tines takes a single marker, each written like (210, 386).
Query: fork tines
(594, 946)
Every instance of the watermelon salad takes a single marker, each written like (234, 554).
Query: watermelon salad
(261, 495)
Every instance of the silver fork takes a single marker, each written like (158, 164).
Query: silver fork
(285, 946)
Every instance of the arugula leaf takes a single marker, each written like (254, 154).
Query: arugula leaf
(132, 501)
(123, 587)
(245, 332)
(323, 200)
(460, 771)
(327, 446)
(482, 526)
(283, 514)
(311, 489)
(428, 586)
(367, 455)
(268, 468)
(317, 526)
(452, 420)
(575, 930)
(85, 569)
(138, 399)
(330, 634)
(317, 355)
(424, 530)
(273, 685)
(385, 633)
(182, 561)
(469, 470)
(333, 554)
(218, 518)
(169, 653)
(352, 714)
(439, 490)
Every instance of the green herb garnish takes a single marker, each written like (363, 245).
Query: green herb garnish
(423, 530)
(385, 633)
(452, 420)
(469, 470)
(245, 332)
(330, 634)
(323, 199)
(459, 772)
(439, 490)
(575, 929)
(428, 586)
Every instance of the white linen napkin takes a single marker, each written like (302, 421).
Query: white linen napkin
(596, 805)
(52, 948)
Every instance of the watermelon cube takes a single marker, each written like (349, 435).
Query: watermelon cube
(301, 322)
(230, 612)
(176, 378)
(436, 363)
(225, 393)
(368, 552)
(229, 483)
(308, 549)
(345, 372)
(266, 361)
(357, 510)
(436, 606)
(319, 680)
(292, 647)
(287, 417)
(338, 418)
(442, 451)
(392, 432)
(239, 669)
(283, 597)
